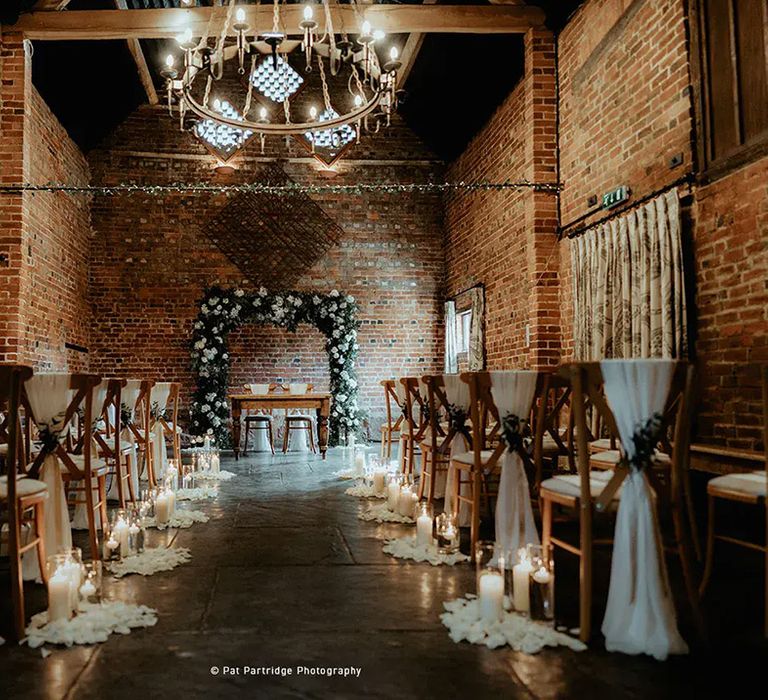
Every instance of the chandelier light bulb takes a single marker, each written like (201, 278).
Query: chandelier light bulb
(308, 12)
(313, 112)
(240, 15)
(379, 34)
(358, 100)
(169, 60)
(366, 28)
(217, 104)
(263, 113)
(393, 53)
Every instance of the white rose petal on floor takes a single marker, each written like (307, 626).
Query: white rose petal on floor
(364, 491)
(381, 514)
(180, 519)
(200, 493)
(150, 561)
(462, 618)
(222, 475)
(92, 625)
(407, 548)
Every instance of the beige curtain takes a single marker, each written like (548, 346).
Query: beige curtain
(628, 285)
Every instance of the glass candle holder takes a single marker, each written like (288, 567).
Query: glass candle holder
(187, 476)
(490, 581)
(360, 461)
(136, 531)
(214, 464)
(393, 492)
(163, 505)
(542, 583)
(60, 587)
(110, 547)
(447, 533)
(425, 525)
(379, 479)
(407, 500)
(521, 572)
(172, 476)
(120, 531)
(90, 588)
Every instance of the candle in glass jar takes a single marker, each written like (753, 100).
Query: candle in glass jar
(162, 511)
(215, 462)
(405, 502)
(172, 478)
(59, 597)
(424, 530)
(491, 595)
(87, 589)
(359, 463)
(378, 481)
(521, 596)
(121, 534)
(393, 495)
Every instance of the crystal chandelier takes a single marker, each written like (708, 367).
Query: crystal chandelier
(262, 56)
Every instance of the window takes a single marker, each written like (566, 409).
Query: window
(463, 325)
(731, 77)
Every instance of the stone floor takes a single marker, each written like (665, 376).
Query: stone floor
(285, 574)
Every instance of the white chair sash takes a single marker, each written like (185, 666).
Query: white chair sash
(129, 396)
(297, 440)
(159, 400)
(457, 394)
(513, 394)
(49, 396)
(640, 615)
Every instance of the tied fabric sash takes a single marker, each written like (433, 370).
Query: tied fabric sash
(513, 393)
(457, 395)
(49, 396)
(640, 614)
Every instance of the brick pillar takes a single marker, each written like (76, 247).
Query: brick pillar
(541, 207)
(14, 85)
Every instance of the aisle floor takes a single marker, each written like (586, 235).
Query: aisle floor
(286, 575)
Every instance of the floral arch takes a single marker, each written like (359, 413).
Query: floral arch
(224, 310)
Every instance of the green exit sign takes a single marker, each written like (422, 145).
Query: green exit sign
(615, 197)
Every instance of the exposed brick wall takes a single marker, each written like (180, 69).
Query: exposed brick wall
(152, 260)
(731, 254)
(505, 239)
(45, 236)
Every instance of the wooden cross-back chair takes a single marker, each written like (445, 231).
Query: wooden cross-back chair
(117, 452)
(413, 426)
(260, 421)
(549, 426)
(747, 488)
(22, 500)
(142, 429)
(299, 421)
(80, 469)
(391, 427)
(591, 493)
(480, 467)
(434, 460)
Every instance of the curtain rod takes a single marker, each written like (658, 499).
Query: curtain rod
(685, 179)
(479, 285)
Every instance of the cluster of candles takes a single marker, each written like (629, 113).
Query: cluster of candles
(70, 582)
(206, 458)
(531, 582)
(125, 535)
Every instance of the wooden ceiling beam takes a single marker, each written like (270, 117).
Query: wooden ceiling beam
(168, 23)
(410, 51)
(134, 46)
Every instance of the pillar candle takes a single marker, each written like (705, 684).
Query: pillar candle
(378, 481)
(207, 443)
(393, 495)
(121, 534)
(215, 463)
(406, 503)
(59, 600)
(491, 596)
(521, 574)
(360, 463)
(162, 513)
(424, 530)
(171, 503)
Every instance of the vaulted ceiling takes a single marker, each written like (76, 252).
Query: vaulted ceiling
(455, 84)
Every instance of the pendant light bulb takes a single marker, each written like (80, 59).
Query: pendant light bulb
(308, 13)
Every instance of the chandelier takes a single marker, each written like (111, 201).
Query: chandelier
(262, 54)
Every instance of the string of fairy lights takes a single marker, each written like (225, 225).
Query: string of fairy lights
(290, 188)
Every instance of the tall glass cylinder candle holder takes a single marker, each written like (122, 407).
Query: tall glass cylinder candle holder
(120, 531)
(425, 525)
(90, 588)
(360, 461)
(490, 581)
(136, 529)
(74, 567)
(59, 588)
(542, 583)
(407, 501)
(447, 533)
(172, 475)
(162, 507)
(110, 547)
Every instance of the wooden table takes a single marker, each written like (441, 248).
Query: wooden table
(320, 402)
